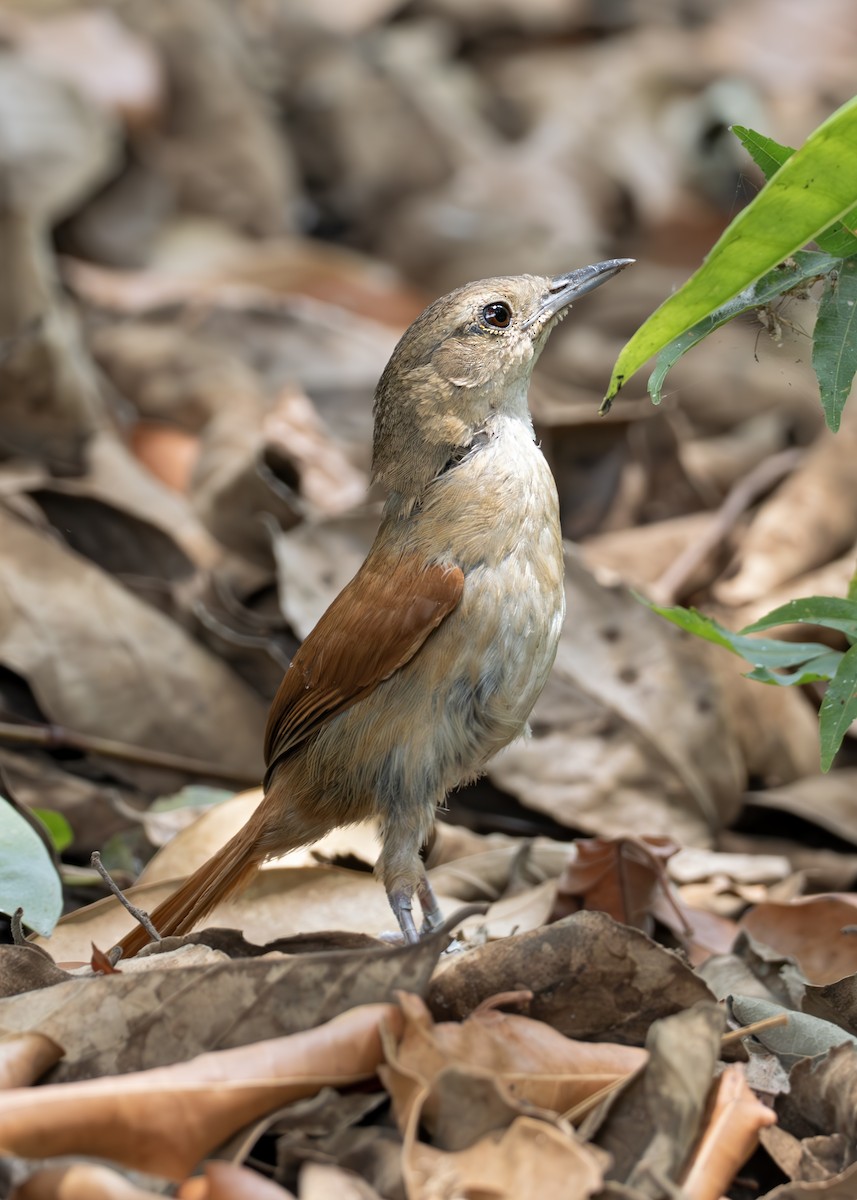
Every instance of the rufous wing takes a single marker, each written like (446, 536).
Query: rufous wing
(375, 625)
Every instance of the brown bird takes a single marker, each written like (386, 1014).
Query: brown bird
(432, 657)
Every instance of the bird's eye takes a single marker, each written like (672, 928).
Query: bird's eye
(497, 314)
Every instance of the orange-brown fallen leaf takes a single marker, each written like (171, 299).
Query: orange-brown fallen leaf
(166, 1120)
(83, 1181)
(815, 930)
(228, 1181)
(24, 1058)
(168, 452)
(731, 1135)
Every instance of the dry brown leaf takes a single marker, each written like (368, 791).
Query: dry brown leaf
(322, 1181)
(167, 1119)
(76, 636)
(821, 1096)
(731, 1135)
(835, 1002)
(531, 1061)
(653, 1124)
(279, 902)
(98, 55)
(529, 1158)
(589, 978)
(522, 912)
(315, 560)
(193, 845)
(809, 520)
(815, 930)
(640, 555)
(776, 729)
(82, 1181)
(228, 1181)
(167, 452)
(218, 1004)
(220, 151)
(619, 876)
(823, 800)
(809, 1159)
(27, 968)
(25, 1057)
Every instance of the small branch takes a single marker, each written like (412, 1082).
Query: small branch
(735, 1035)
(55, 737)
(136, 913)
(18, 935)
(771, 470)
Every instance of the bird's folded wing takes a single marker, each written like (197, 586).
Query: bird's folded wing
(375, 625)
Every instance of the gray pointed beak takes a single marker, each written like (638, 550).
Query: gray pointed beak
(565, 289)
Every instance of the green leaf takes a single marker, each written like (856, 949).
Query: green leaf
(820, 669)
(28, 878)
(838, 708)
(806, 266)
(759, 652)
(61, 833)
(834, 341)
(831, 612)
(816, 186)
(769, 156)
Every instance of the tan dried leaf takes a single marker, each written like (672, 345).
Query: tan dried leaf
(166, 1120)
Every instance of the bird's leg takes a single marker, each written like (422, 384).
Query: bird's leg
(401, 904)
(400, 868)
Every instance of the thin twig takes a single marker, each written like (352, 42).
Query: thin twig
(136, 913)
(735, 1035)
(764, 475)
(56, 737)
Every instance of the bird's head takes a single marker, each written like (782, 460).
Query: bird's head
(470, 354)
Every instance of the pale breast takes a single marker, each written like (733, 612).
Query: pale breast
(471, 687)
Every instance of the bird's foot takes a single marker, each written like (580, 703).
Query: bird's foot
(400, 903)
(432, 916)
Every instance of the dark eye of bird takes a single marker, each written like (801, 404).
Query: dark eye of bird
(497, 314)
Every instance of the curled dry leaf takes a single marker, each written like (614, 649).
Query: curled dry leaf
(817, 931)
(27, 968)
(653, 1124)
(589, 978)
(731, 1135)
(531, 1061)
(809, 520)
(619, 876)
(530, 1158)
(75, 635)
(25, 1057)
(167, 1119)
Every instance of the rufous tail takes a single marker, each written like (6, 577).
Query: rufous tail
(225, 873)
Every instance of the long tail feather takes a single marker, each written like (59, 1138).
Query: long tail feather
(225, 873)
